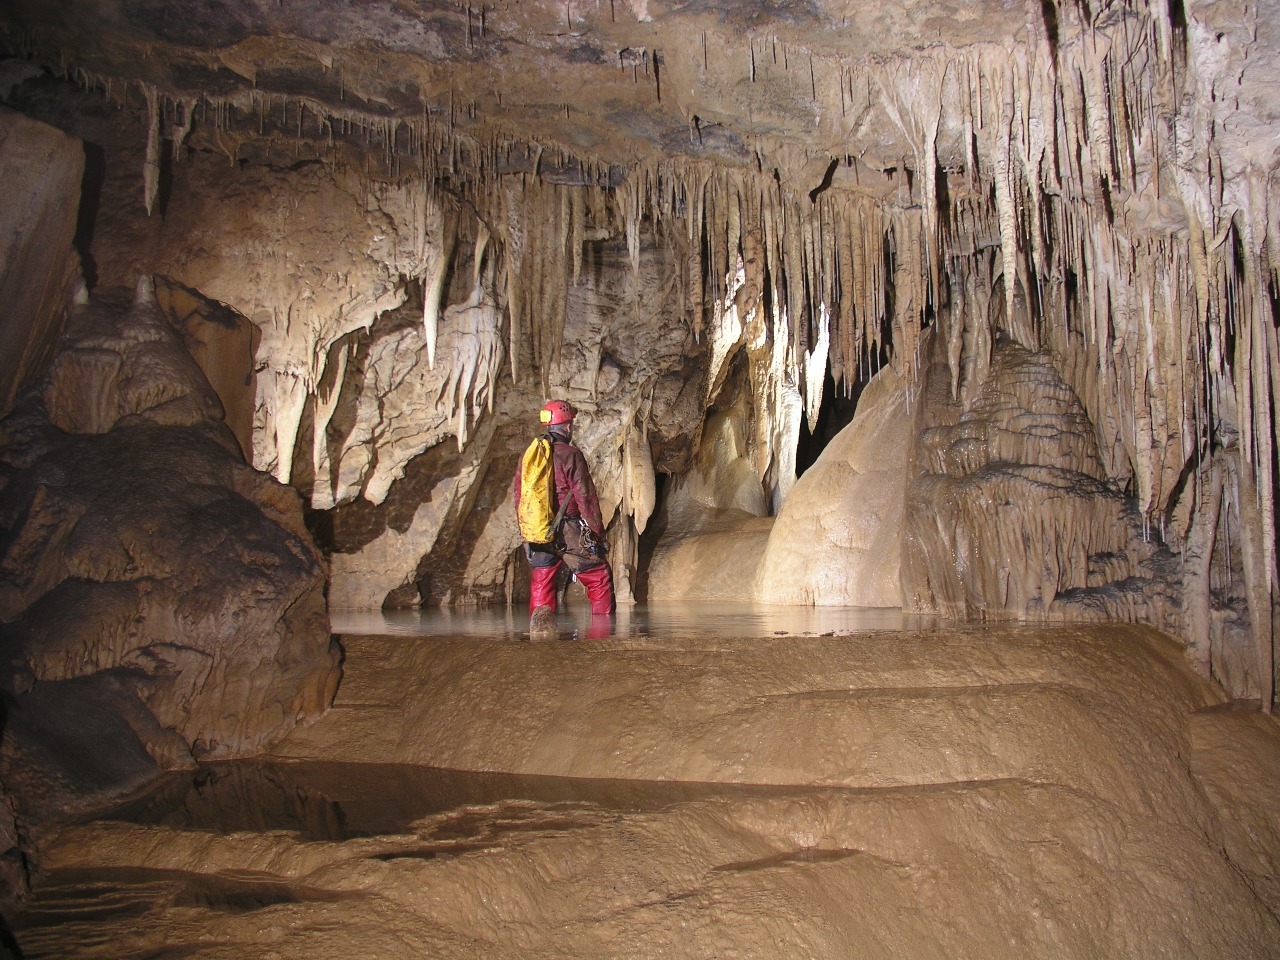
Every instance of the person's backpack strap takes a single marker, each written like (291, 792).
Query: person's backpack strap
(555, 524)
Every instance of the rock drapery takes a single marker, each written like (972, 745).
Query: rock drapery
(160, 600)
(838, 540)
(1017, 471)
(1094, 183)
(835, 542)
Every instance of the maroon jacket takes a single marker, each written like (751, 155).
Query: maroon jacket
(573, 482)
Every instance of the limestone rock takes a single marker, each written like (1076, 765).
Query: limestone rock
(151, 582)
(14, 879)
(722, 478)
(224, 345)
(716, 564)
(715, 522)
(823, 188)
(40, 168)
(836, 540)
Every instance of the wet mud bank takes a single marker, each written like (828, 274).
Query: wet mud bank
(1064, 792)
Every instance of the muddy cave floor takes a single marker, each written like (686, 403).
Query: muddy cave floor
(729, 783)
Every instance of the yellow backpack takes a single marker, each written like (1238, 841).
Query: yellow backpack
(538, 520)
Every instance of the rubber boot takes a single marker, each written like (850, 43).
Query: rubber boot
(598, 582)
(542, 586)
(542, 621)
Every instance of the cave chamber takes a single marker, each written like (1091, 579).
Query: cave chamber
(973, 316)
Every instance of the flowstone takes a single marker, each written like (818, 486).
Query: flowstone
(160, 600)
(1010, 512)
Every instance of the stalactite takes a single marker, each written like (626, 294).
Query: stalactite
(513, 235)
(1255, 540)
(435, 269)
(1196, 567)
(815, 370)
(638, 478)
(326, 404)
(558, 276)
(848, 308)
(577, 217)
(151, 161)
(476, 328)
(1004, 192)
(182, 127)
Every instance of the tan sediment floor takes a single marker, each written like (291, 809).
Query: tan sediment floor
(995, 792)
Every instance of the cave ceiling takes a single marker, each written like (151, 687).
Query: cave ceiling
(586, 91)
(791, 85)
(1096, 177)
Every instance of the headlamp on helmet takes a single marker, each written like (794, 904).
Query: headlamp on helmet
(556, 411)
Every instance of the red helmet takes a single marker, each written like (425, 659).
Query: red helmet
(557, 411)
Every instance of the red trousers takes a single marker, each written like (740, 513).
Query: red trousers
(598, 582)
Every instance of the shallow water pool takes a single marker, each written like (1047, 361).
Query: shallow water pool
(339, 801)
(635, 621)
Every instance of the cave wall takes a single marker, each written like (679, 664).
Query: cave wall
(39, 270)
(383, 376)
(160, 600)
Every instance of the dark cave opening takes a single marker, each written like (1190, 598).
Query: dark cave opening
(839, 403)
(835, 414)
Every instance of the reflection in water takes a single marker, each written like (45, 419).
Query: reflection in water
(424, 813)
(640, 620)
(338, 801)
(330, 801)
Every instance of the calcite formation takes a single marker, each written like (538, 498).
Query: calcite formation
(1015, 491)
(39, 269)
(160, 600)
(798, 194)
(838, 540)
